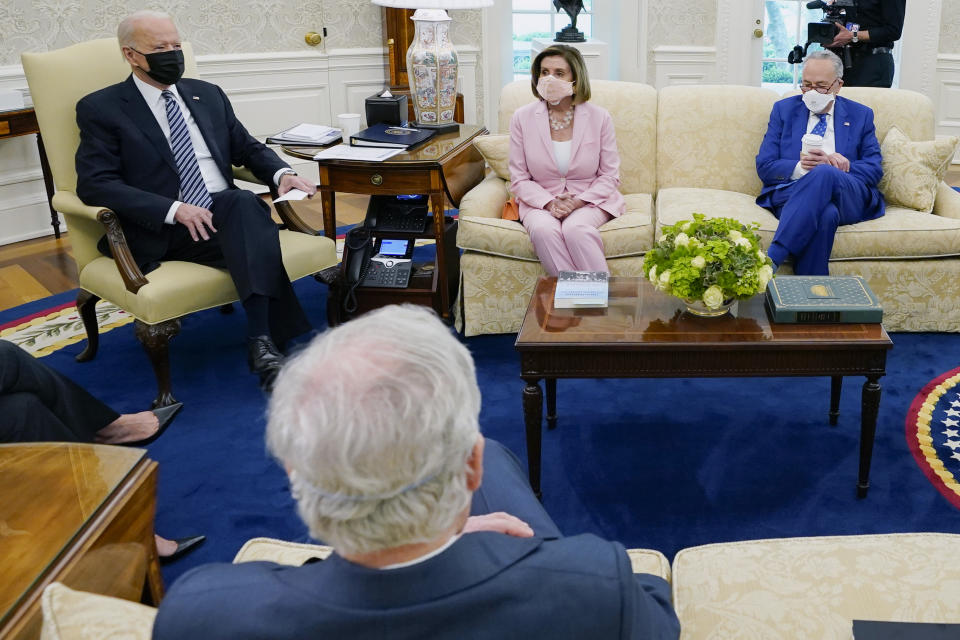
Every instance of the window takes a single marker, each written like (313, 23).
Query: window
(785, 26)
(540, 19)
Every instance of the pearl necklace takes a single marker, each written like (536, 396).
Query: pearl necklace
(559, 123)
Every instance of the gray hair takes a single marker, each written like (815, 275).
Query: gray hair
(834, 59)
(127, 28)
(375, 421)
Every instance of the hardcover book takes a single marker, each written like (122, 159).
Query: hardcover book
(877, 630)
(385, 135)
(581, 289)
(822, 299)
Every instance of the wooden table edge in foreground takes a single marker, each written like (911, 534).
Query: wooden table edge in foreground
(126, 515)
(582, 358)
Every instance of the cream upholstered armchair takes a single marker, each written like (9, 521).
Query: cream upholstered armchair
(499, 267)
(58, 79)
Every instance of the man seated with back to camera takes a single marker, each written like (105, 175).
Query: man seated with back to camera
(157, 149)
(813, 193)
(376, 423)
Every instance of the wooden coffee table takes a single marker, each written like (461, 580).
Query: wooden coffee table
(644, 333)
(80, 514)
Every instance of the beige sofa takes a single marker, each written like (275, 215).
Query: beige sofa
(689, 149)
(784, 589)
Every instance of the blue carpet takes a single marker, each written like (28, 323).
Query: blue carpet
(664, 464)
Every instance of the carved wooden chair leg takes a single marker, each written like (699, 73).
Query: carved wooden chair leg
(331, 277)
(87, 306)
(155, 339)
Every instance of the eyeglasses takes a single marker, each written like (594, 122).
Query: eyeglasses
(819, 88)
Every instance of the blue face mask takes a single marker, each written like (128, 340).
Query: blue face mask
(166, 67)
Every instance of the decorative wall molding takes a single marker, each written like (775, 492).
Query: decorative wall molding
(683, 65)
(947, 105)
(920, 44)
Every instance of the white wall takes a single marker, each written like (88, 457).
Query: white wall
(270, 91)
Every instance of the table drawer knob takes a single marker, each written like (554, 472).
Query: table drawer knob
(376, 179)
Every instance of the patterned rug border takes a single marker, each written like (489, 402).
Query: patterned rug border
(920, 441)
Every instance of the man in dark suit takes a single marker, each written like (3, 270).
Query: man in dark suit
(834, 182)
(158, 150)
(376, 423)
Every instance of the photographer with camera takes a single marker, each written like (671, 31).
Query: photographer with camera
(878, 24)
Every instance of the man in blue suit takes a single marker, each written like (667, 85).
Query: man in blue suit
(376, 423)
(157, 150)
(834, 183)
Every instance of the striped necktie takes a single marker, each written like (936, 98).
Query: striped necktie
(192, 188)
(820, 128)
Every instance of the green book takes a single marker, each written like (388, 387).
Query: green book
(818, 299)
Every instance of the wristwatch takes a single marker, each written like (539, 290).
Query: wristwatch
(856, 36)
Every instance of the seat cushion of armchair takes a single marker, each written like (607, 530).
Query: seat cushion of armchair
(179, 288)
(900, 233)
(627, 235)
(799, 588)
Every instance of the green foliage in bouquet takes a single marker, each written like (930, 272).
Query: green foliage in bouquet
(713, 260)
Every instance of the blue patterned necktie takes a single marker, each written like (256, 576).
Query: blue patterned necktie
(820, 129)
(192, 188)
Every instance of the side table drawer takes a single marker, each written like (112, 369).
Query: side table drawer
(386, 180)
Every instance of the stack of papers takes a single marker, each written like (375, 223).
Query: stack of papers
(346, 152)
(307, 134)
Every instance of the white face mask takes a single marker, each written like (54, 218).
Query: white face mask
(817, 102)
(554, 90)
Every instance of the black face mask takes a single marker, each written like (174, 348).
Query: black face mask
(166, 67)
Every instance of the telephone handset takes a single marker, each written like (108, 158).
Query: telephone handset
(358, 252)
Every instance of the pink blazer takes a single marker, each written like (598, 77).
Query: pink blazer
(594, 171)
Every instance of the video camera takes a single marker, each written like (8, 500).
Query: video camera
(824, 31)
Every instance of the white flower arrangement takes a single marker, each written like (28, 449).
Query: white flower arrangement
(711, 260)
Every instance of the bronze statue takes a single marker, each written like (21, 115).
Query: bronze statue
(569, 33)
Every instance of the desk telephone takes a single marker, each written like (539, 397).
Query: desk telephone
(369, 261)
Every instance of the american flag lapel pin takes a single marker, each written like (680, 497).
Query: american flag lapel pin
(846, 124)
(197, 98)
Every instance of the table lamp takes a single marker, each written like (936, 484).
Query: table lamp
(432, 61)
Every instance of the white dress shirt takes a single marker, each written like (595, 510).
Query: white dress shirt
(212, 177)
(829, 139)
(561, 153)
(424, 557)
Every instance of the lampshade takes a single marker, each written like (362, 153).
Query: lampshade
(434, 4)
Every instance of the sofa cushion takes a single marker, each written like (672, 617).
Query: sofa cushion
(496, 151)
(801, 588)
(627, 235)
(912, 171)
(709, 136)
(900, 233)
(633, 107)
(909, 111)
(78, 615)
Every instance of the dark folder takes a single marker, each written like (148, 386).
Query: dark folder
(876, 630)
(384, 135)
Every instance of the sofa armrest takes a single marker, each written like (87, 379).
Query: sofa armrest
(947, 203)
(485, 200)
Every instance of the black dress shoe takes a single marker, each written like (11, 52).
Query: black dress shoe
(164, 418)
(265, 360)
(184, 546)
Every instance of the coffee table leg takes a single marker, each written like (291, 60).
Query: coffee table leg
(551, 384)
(869, 407)
(533, 418)
(836, 382)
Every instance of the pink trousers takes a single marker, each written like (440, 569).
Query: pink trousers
(571, 244)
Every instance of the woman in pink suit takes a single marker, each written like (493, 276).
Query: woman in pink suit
(564, 165)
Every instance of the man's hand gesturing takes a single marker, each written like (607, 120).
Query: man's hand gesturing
(195, 218)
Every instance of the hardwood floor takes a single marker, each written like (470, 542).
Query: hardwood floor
(38, 268)
(35, 269)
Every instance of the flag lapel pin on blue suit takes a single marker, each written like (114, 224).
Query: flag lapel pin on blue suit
(197, 98)
(846, 124)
